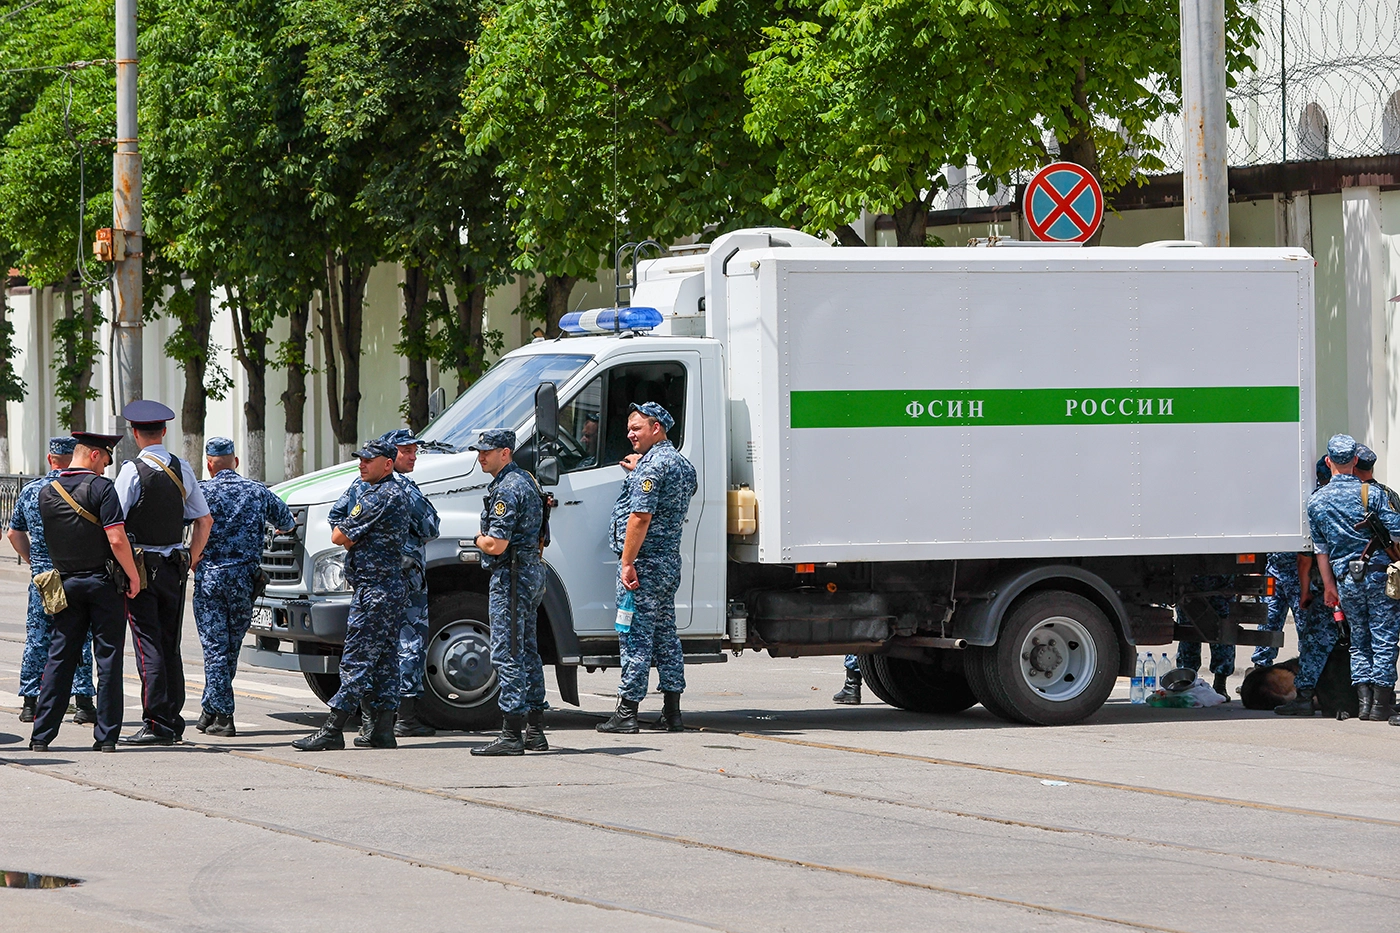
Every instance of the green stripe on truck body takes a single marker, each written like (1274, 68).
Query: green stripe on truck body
(896, 408)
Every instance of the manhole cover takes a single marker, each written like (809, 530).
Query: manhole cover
(28, 879)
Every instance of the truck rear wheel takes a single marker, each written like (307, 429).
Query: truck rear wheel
(916, 686)
(459, 683)
(1054, 663)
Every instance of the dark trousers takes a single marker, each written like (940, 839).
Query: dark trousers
(156, 616)
(95, 606)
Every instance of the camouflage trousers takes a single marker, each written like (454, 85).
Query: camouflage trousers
(38, 631)
(1222, 657)
(653, 639)
(1375, 625)
(413, 633)
(1285, 598)
(223, 608)
(369, 668)
(853, 664)
(520, 672)
(1317, 636)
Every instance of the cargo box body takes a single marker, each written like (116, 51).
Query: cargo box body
(900, 404)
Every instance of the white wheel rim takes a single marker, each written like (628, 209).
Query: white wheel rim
(1058, 658)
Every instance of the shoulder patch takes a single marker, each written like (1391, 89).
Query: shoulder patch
(646, 485)
(357, 509)
(500, 508)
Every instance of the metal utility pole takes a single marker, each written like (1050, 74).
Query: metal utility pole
(1205, 174)
(126, 223)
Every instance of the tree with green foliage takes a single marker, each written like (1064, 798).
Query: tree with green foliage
(870, 99)
(55, 171)
(385, 78)
(616, 122)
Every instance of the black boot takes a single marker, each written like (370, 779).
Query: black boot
(206, 719)
(624, 719)
(222, 725)
(1366, 698)
(86, 714)
(849, 695)
(26, 710)
(534, 732)
(1382, 703)
(329, 736)
(509, 742)
(1222, 686)
(1300, 705)
(670, 718)
(381, 731)
(409, 725)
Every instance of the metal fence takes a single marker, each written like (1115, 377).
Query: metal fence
(10, 485)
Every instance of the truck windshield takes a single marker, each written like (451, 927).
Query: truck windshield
(502, 398)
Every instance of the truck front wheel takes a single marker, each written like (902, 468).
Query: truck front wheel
(1054, 663)
(323, 685)
(459, 683)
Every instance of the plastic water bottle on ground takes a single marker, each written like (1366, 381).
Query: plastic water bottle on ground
(626, 608)
(1136, 695)
(1164, 666)
(1149, 675)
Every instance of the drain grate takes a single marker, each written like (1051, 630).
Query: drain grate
(29, 879)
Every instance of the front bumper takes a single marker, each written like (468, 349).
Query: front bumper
(320, 620)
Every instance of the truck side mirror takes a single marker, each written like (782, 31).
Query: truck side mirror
(437, 401)
(546, 434)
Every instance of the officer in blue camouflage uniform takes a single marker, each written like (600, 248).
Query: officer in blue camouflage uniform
(1317, 632)
(413, 633)
(849, 694)
(373, 530)
(1222, 657)
(224, 579)
(1374, 618)
(1283, 567)
(647, 523)
(26, 535)
(510, 542)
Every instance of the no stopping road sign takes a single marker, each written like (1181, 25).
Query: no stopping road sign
(1063, 203)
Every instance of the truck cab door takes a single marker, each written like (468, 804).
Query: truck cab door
(592, 439)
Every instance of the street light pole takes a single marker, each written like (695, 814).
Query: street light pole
(1205, 172)
(126, 223)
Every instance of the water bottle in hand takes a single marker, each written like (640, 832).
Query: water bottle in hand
(626, 608)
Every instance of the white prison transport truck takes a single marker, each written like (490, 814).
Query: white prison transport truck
(990, 472)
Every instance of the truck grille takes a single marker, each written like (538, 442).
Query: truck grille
(283, 553)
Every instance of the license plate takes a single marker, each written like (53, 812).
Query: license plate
(262, 617)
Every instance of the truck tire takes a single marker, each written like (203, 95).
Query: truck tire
(323, 685)
(459, 683)
(1055, 661)
(915, 686)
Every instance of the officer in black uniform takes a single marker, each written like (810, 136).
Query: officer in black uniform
(159, 494)
(84, 529)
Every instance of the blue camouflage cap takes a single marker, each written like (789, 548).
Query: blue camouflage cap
(377, 448)
(1341, 449)
(218, 447)
(62, 446)
(1365, 457)
(1324, 472)
(654, 410)
(494, 439)
(401, 437)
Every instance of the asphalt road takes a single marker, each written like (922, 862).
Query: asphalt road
(775, 811)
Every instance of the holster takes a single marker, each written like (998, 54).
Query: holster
(1356, 569)
(260, 582)
(50, 587)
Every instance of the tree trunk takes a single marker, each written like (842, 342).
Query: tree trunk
(194, 406)
(846, 235)
(911, 223)
(330, 313)
(414, 335)
(294, 398)
(556, 297)
(7, 371)
(1080, 147)
(353, 277)
(250, 344)
(469, 320)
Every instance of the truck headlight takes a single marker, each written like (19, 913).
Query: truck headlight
(328, 573)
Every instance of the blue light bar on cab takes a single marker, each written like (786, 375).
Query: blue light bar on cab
(609, 320)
